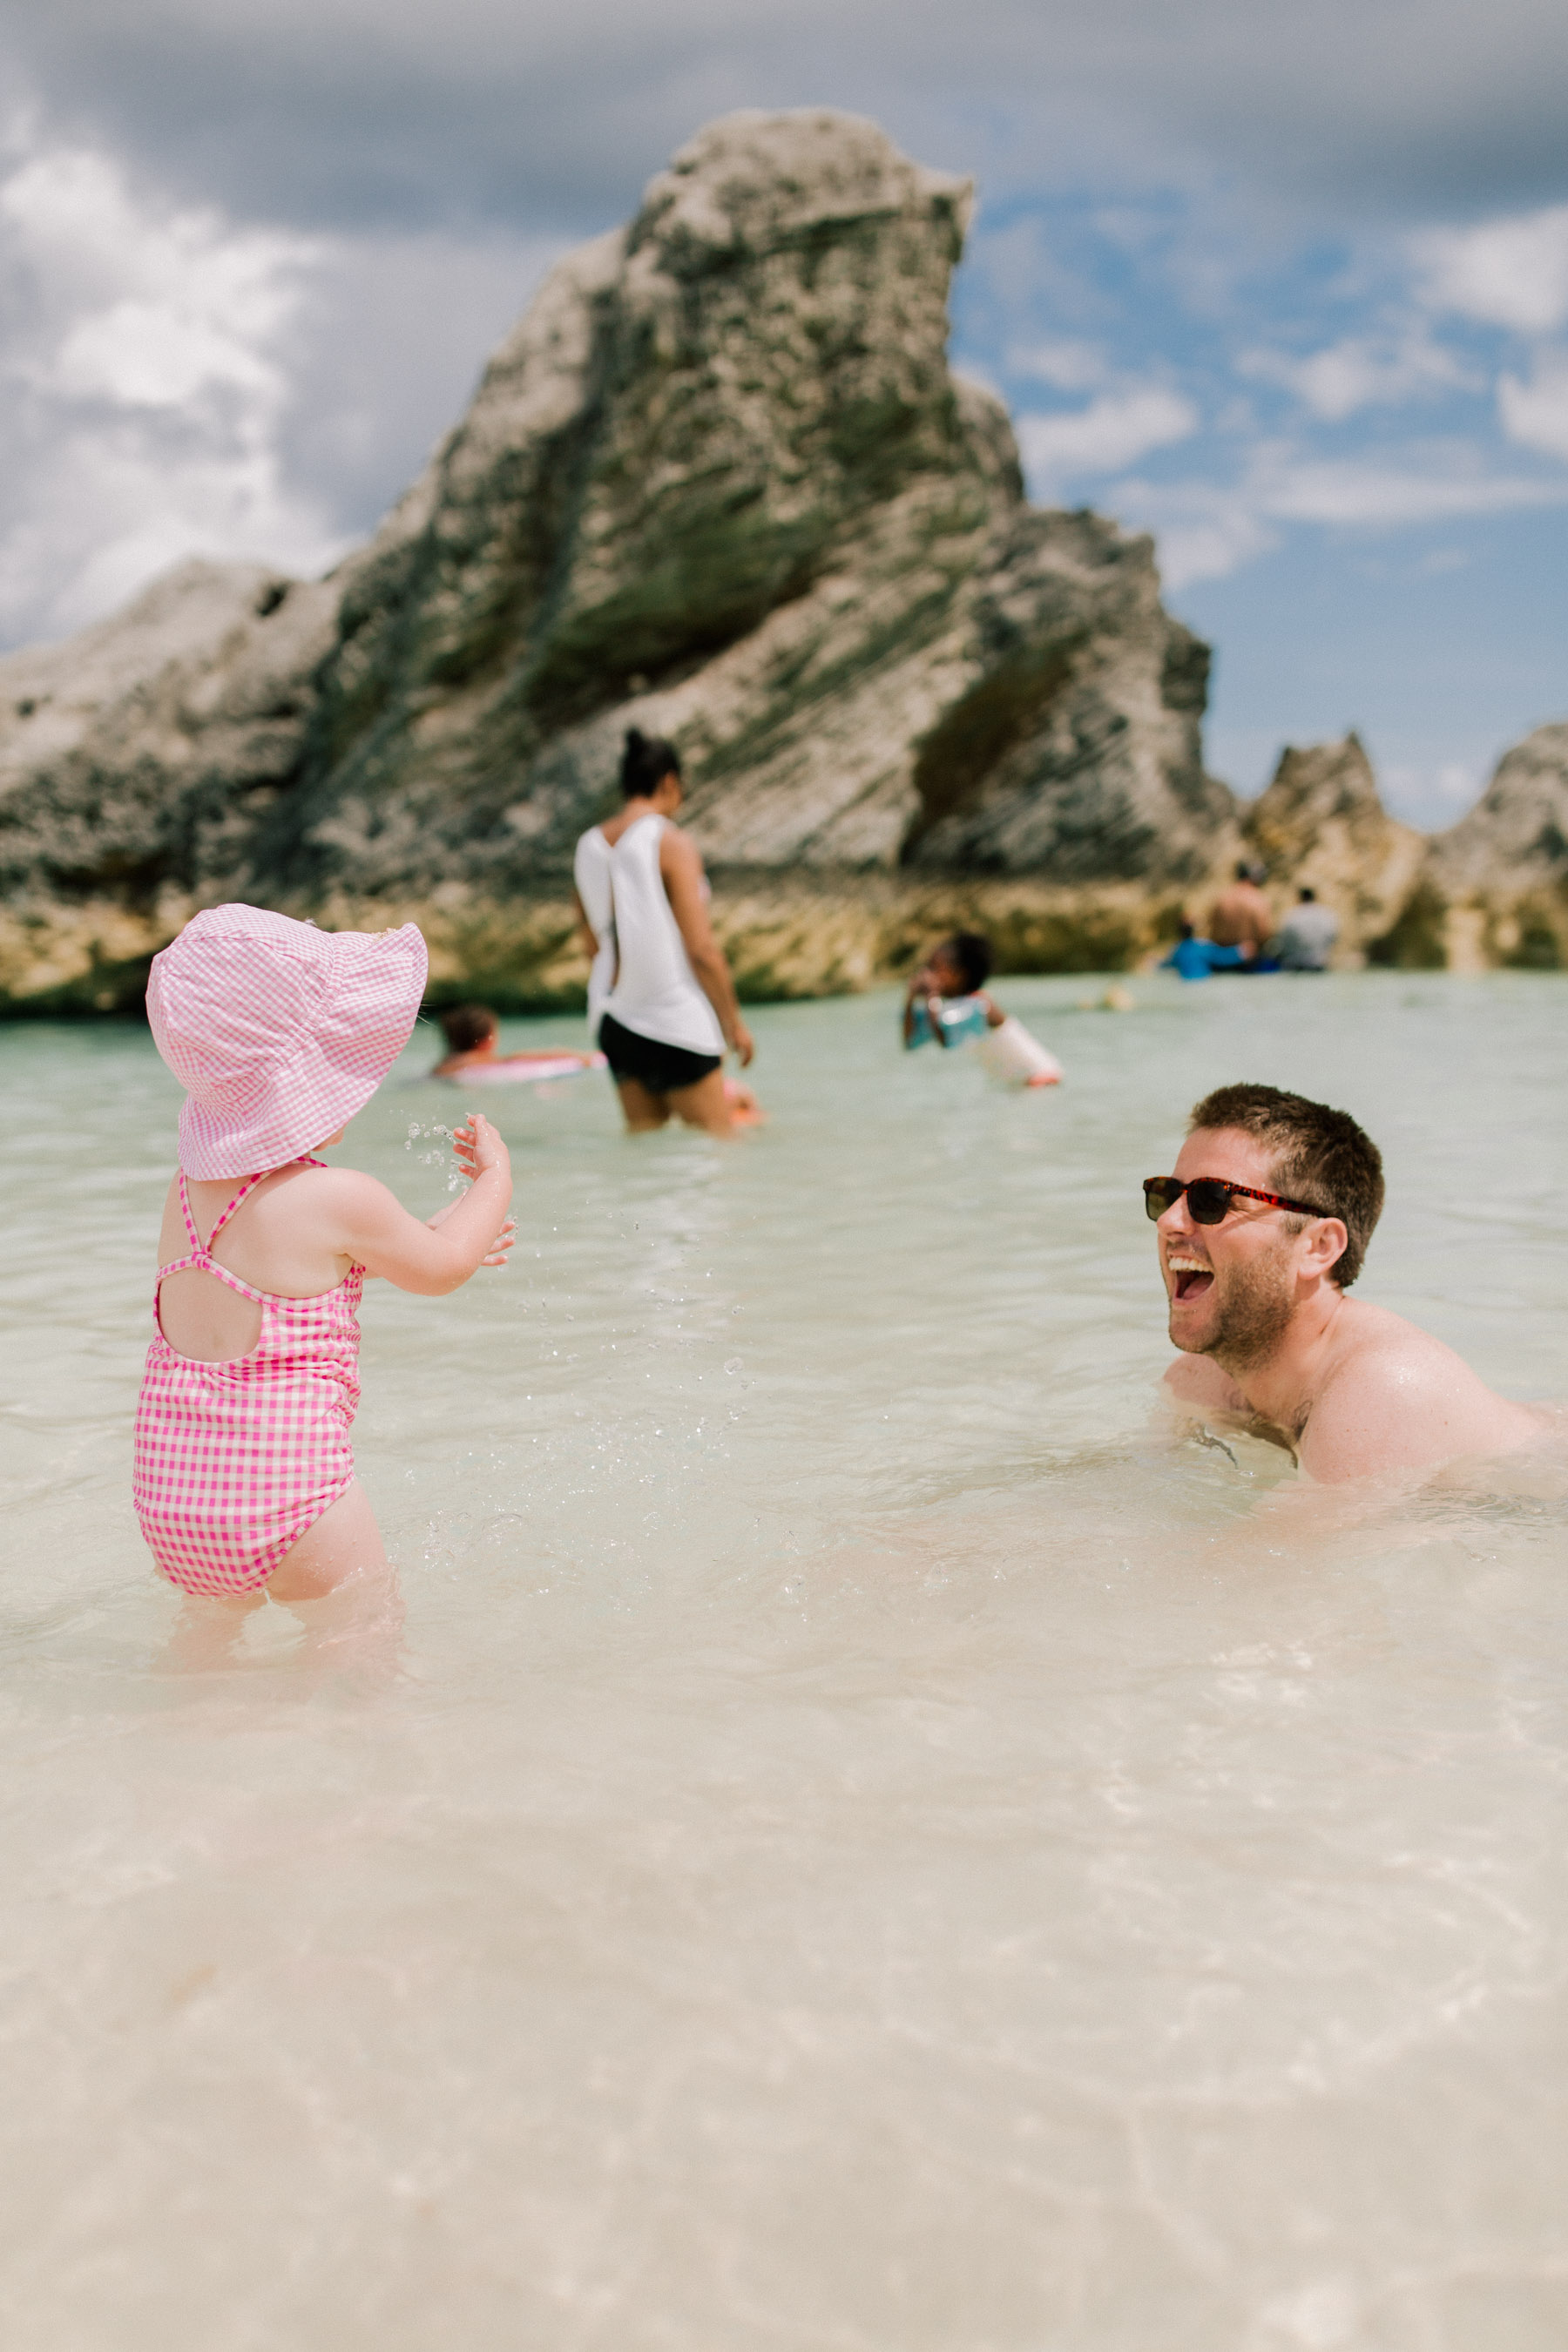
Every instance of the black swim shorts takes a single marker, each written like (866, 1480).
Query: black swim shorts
(662, 1069)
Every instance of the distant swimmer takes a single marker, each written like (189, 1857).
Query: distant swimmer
(946, 1003)
(1306, 938)
(472, 1033)
(671, 1009)
(1263, 1228)
(1241, 917)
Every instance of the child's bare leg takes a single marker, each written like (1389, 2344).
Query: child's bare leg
(706, 1105)
(643, 1110)
(343, 1542)
(209, 1629)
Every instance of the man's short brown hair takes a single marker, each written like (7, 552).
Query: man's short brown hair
(1320, 1155)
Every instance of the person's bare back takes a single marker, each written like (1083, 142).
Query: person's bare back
(1257, 1301)
(1241, 916)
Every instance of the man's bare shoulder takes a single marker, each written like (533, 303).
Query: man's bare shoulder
(1394, 1397)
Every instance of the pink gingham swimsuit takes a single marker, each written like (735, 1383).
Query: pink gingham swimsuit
(236, 1460)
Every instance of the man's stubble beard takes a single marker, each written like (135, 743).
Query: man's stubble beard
(1254, 1317)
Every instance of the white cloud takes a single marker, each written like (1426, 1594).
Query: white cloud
(1211, 546)
(1509, 273)
(1430, 797)
(1368, 494)
(1536, 412)
(1358, 373)
(1207, 529)
(1066, 366)
(1114, 431)
(144, 391)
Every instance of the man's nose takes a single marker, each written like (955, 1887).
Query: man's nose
(1177, 1218)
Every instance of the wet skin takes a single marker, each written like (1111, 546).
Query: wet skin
(1269, 1337)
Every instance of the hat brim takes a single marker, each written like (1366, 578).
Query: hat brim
(375, 984)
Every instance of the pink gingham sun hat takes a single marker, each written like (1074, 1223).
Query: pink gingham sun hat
(278, 1032)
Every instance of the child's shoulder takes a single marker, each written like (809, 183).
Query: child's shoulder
(315, 1187)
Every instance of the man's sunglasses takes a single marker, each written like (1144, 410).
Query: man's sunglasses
(1210, 1199)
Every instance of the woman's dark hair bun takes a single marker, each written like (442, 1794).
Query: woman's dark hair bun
(644, 763)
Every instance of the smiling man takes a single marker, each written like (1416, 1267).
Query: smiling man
(1263, 1228)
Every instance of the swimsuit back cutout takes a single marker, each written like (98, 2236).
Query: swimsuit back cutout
(657, 993)
(236, 1460)
(199, 1259)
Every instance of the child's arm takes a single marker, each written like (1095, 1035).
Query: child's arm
(501, 1249)
(995, 1016)
(379, 1234)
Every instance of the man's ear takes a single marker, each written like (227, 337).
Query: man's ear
(1324, 1244)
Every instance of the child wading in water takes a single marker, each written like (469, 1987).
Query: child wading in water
(946, 1000)
(244, 1479)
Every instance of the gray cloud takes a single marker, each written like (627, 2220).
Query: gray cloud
(344, 114)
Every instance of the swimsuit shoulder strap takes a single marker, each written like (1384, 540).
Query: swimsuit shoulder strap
(190, 1221)
(244, 1193)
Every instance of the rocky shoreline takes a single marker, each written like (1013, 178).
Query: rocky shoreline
(718, 482)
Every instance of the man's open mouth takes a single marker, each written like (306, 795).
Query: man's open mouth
(1189, 1278)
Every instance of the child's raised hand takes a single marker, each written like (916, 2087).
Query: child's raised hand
(479, 1147)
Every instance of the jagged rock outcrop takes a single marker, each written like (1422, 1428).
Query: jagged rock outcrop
(1495, 887)
(136, 761)
(1322, 824)
(719, 482)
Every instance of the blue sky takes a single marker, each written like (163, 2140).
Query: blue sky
(1287, 287)
(1353, 452)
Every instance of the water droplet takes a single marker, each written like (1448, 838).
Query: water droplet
(734, 1365)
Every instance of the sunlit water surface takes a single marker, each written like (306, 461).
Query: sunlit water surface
(868, 1842)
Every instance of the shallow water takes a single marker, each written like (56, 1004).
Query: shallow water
(867, 1842)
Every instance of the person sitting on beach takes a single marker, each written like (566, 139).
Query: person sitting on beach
(472, 1033)
(1307, 936)
(946, 998)
(1194, 959)
(1262, 1230)
(1241, 917)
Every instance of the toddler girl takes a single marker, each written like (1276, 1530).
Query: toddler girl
(244, 1477)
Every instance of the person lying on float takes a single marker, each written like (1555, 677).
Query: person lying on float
(473, 1035)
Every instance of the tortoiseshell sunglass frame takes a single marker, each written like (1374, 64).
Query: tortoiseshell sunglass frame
(1156, 1206)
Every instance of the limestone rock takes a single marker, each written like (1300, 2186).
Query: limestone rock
(139, 764)
(1496, 886)
(718, 482)
(1321, 825)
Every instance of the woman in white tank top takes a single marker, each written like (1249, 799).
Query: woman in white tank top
(671, 1010)
(591, 873)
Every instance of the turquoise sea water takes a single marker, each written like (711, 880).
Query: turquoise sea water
(866, 1842)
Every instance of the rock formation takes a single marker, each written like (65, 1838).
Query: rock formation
(1320, 822)
(718, 482)
(1495, 888)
